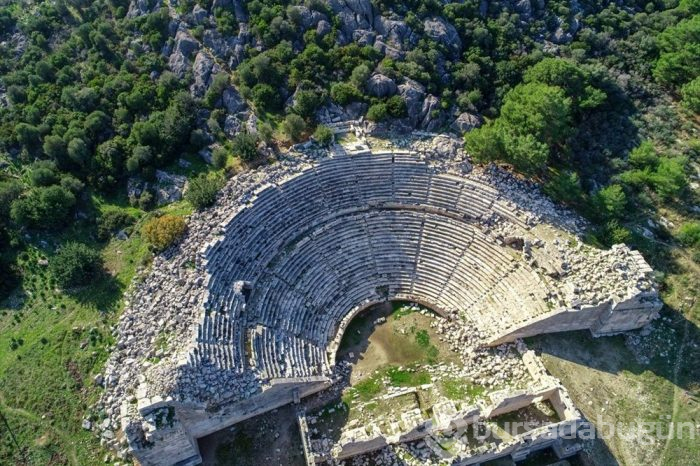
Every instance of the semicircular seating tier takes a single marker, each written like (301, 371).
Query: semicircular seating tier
(297, 262)
(308, 244)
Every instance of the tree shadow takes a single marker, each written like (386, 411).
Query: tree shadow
(604, 134)
(104, 292)
(670, 350)
(635, 352)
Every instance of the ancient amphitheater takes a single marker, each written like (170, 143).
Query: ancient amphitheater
(246, 313)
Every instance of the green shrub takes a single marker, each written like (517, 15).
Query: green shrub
(293, 126)
(306, 102)
(644, 156)
(344, 93)
(245, 146)
(396, 106)
(572, 78)
(368, 388)
(113, 221)
(163, 231)
(75, 264)
(266, 98)
(219, 157)
(614, 233)
(71, 183)
(691, 95)
(216, 89)
(669, 180)
(689, 233)
(564, 187)
(422, 338)
(377, 112)
(323, 135)
(610, 202)
(42, 176)
(202, 190)
(44, 207)
(535, 117)
(9, 191)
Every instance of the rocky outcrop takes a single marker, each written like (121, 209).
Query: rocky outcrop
(232, 126)
(323, 28)
(202, 70)
(306, 18)
(235, 5)
(199, 15)
(524, 9)
(395, 33)
(233, 102)
(142, 7)
(363, 37)
(431, 116)
(466, 122)
(185, 46)
(353, 15)
(413, 93)
(441, 31)
(169, 187)
(381, 86)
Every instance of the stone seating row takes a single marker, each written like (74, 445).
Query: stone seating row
(355, 229)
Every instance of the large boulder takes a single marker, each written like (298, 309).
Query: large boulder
(389, 50)
(323, 28)
(466, 122)
(441, 31)
(239, 43)
(232, 126)
(363, 37)
(142, 7)
(233, 102)
(524, 9)
(379, 85)
(431, 115)
(215, 42)
(178, 64)
(239, 11)
(199, 14)
(202, 71)
(413, 93)
(353, 15)
(169, 187)
(394, 32)
(306, 18)
(355, 110)
(185, 43)
(184, 46)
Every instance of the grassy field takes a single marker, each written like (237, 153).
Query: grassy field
(53, 342)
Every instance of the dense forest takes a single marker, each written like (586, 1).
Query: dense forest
(105, 104)
(96, 94)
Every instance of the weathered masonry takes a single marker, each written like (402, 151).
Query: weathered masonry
(246, 313)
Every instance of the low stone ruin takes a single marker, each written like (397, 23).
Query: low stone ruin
(457, 431)
(246, 313)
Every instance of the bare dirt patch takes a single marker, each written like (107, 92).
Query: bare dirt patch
(389, 334)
